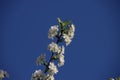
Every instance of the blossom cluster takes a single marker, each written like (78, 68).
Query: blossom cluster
(3, 74)
(67, 33)
(64, 32)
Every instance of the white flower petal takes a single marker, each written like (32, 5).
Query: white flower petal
(49, 77)
(38, 74)
(61, 60)
(62, 50)
(41, 59)
(3, 74)
(53, 47)
(73, 27)
(71, 31)
(67, 39)
(52, 69)
(53, 31)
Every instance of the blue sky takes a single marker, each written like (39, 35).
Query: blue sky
(93, 54)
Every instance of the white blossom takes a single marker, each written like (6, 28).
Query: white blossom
(71, 31)
(70, 34)
(73, 27)
(41, 59)
(62, 50)
(53, 31)
(3, 74)
(38, 75)
(61, 60)
(52, 69)
(50, 77)
(53, 47)
(67, 39)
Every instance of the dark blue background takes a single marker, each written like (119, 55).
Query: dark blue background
(94, 53)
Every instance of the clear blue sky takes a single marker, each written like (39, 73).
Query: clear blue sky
(94, 53)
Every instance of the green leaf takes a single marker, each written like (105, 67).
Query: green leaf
(66, 23)
(59, 20)
(60, 23)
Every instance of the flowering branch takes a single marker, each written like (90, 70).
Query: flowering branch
(52, 56)
(64, 32)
